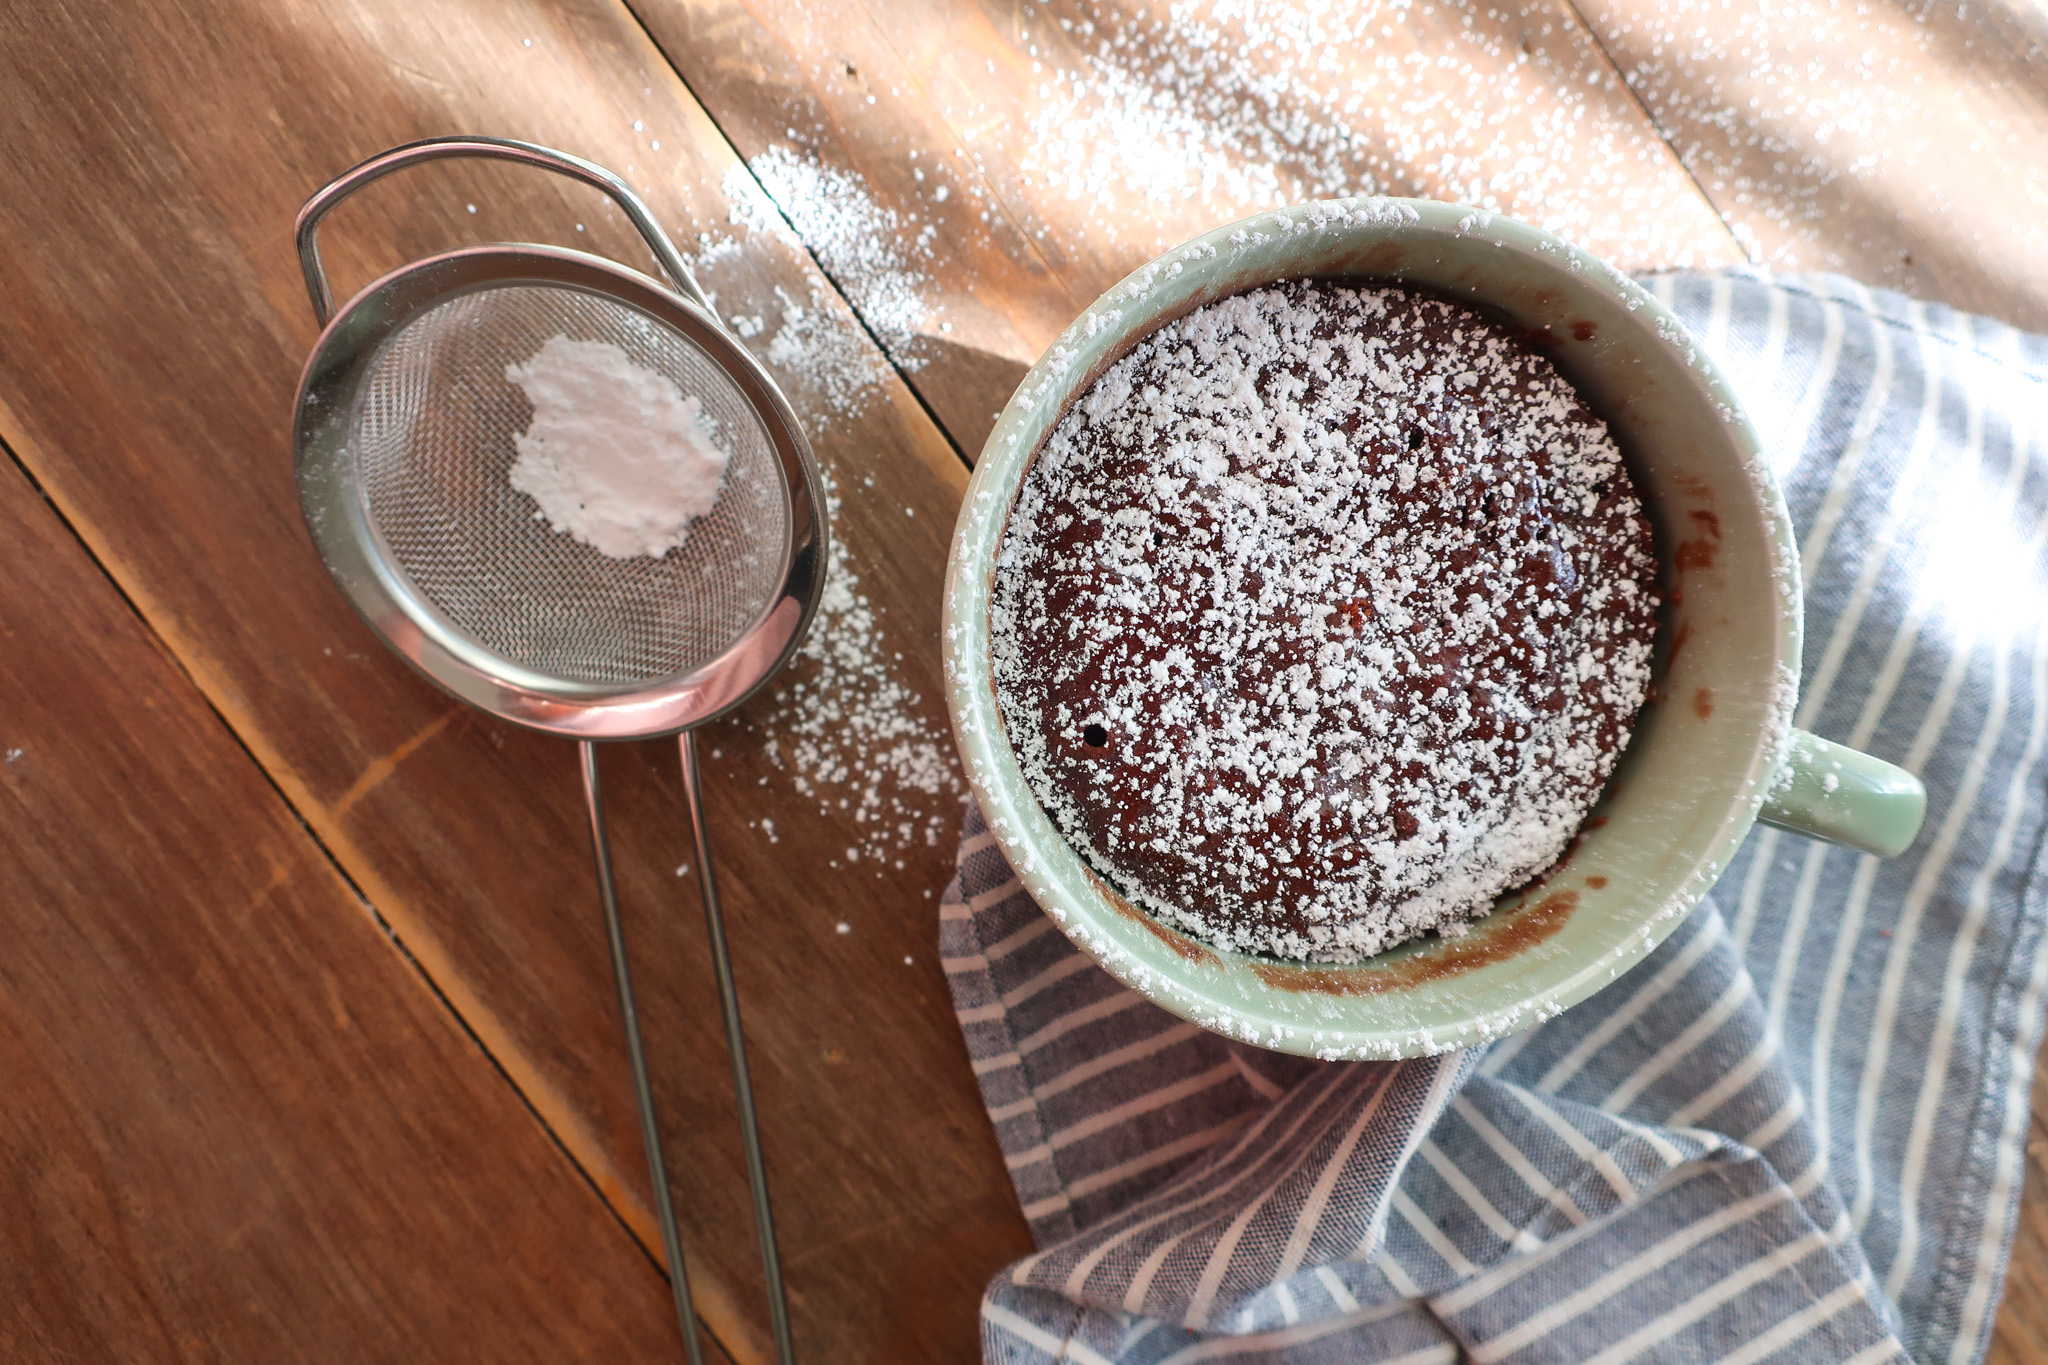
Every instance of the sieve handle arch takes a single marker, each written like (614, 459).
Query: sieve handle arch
(307, 228)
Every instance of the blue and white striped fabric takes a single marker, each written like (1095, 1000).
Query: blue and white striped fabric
(1792, 1133)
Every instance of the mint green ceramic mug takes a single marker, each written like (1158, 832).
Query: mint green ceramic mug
(1712, 753)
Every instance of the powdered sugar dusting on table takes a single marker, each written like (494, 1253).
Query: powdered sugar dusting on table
(866, 249)
(813, 339)
(1237, 108)
(1320, 619)
(856, 737)
(854, 734)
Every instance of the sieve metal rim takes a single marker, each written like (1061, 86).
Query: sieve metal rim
(403, 617)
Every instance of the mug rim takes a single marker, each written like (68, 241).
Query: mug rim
(1233, 993)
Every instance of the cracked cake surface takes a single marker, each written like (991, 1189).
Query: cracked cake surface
(1321, 618)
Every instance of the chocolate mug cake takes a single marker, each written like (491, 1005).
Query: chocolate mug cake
(1322, 618)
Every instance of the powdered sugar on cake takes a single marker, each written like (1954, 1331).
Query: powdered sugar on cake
(1322, 617)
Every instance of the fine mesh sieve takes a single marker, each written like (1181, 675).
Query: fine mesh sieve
(404, 440)
(433, 438)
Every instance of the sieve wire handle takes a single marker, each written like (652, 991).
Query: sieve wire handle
(491, 149)
(636, 1056)
(736, 1044)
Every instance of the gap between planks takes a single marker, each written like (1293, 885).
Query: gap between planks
(923, 403)
(1571, 7)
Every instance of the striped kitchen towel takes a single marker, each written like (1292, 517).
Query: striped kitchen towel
(1792, 1133)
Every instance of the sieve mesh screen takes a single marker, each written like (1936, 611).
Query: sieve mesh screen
(431, 438)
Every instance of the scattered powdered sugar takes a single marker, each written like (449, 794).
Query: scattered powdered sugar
(813, 341)
(866, 249)
(1840, 135)
(1321, 618)
(1232, 108)
(840, 719)
(819, 346)
(855, 735)
(614, 456)
(1115, 128)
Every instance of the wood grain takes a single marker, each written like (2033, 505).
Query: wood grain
(2020, 1334)
(151, 328)
(1005, 164)
(237, 1126)
(1906, 145)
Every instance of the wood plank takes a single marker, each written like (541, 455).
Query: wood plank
(236, 1126)
(973, 174)
(149, 344)
(2020, 1334)
(1906, 145)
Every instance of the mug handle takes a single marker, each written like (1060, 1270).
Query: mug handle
(1833, 792)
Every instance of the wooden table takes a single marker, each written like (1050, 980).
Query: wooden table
(304, 1012)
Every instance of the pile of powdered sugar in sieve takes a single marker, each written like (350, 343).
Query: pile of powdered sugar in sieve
(614, 456)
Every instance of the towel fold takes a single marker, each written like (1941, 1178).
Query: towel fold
(1792, 1133)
